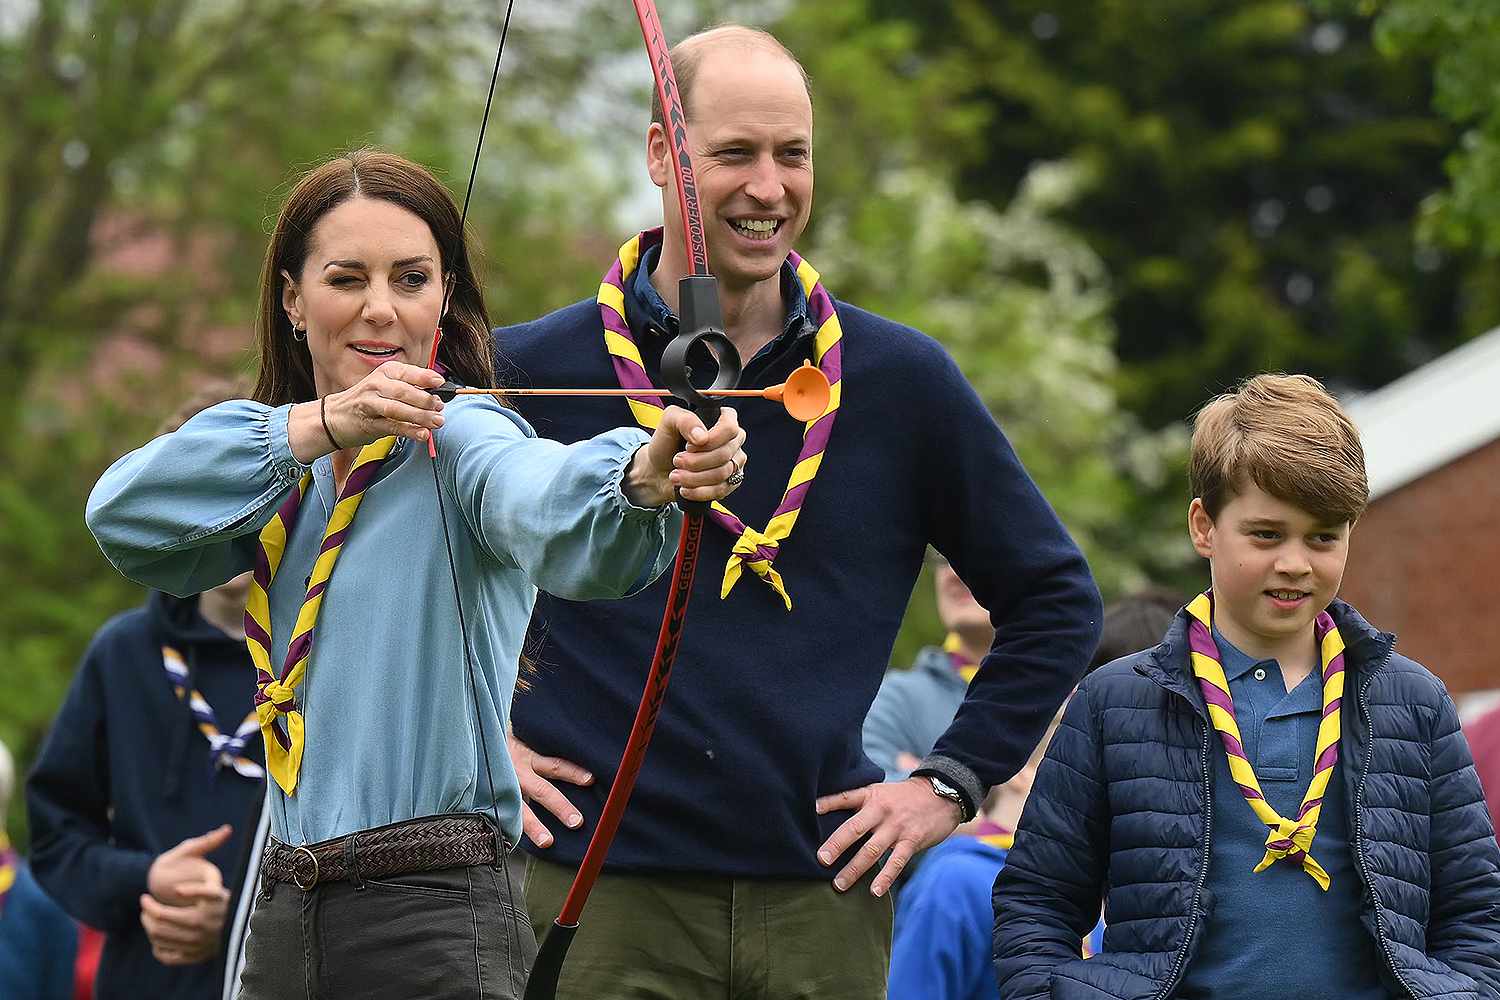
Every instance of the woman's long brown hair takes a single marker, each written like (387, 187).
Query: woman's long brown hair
(466, 354)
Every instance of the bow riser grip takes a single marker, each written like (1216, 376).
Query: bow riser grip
(700, 322)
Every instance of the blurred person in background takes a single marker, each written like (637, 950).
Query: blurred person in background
(941, 948)
(1484, 741)
(1135, 622)
(38, 940)
(148, 782)
(944, 916)
(916, 706)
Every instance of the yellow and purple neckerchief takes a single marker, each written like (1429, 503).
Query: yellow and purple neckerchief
(275, 695)
(989, 832)
(962, 665)
(227, 751)
(1290, 839)
(754, 549)
(8, 862)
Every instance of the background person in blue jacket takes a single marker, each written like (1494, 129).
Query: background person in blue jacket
(757, 792)
(38, 941)
(1272, 801)
(914, 707)
(944, 917)
(944, 920)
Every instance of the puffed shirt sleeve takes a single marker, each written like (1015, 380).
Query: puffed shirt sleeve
(182, 513)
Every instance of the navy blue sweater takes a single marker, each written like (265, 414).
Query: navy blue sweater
(765, 707)
(125, 775)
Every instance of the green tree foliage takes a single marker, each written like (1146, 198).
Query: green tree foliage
(1462, 39)
(1022, 303)
(1254, 171)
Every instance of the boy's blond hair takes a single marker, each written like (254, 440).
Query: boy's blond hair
(1287, 435)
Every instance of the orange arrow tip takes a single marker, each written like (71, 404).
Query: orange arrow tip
(805, 395)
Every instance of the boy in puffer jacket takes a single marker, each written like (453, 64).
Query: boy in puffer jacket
(1272, 801)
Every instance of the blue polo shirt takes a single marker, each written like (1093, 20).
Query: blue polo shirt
(1276, 933)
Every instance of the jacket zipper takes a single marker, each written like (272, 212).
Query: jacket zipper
(1359, 837)
(1179, 966)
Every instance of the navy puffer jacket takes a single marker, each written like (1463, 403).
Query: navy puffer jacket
(1118, 811)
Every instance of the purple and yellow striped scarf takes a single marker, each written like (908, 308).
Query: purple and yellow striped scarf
(227, 751)
(756, 549)
(8, 864)
(275, 696)
(961, 664)
(1289, 840)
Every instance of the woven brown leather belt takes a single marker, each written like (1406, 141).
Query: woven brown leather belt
(417, 845)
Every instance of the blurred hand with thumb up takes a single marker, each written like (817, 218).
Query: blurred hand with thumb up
(183, 912)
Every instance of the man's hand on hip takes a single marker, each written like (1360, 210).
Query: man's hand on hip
(533, 771)
(902, 817)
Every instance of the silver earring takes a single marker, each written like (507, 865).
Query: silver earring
(298, 330)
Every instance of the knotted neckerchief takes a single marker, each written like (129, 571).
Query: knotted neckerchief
(1290, 839)
(752, 548)
(275, 695)
(8, 861)
(958, 659)
(227, 751)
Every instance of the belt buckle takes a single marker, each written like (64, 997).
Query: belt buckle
(296, 880)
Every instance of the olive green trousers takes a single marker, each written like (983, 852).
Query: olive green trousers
(704, 937)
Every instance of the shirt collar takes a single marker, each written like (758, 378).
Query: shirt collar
(647, 313)
(1235, 663)
(1305, 697)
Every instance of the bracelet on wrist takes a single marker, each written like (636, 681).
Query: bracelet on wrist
(323, 416)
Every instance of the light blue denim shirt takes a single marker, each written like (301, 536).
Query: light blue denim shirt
(390, 723)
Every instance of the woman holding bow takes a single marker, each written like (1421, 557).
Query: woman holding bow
(385, 736)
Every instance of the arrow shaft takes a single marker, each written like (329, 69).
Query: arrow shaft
(758, 393)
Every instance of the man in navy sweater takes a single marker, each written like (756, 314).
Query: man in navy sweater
(756, 790)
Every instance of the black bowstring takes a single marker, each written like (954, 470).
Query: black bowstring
(489, 773)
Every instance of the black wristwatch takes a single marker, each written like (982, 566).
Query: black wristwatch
(944, 790)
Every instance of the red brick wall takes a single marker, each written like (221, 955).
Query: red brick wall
(1425, 563)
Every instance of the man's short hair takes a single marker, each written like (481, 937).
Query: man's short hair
(687, 56)
(1287, 435)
